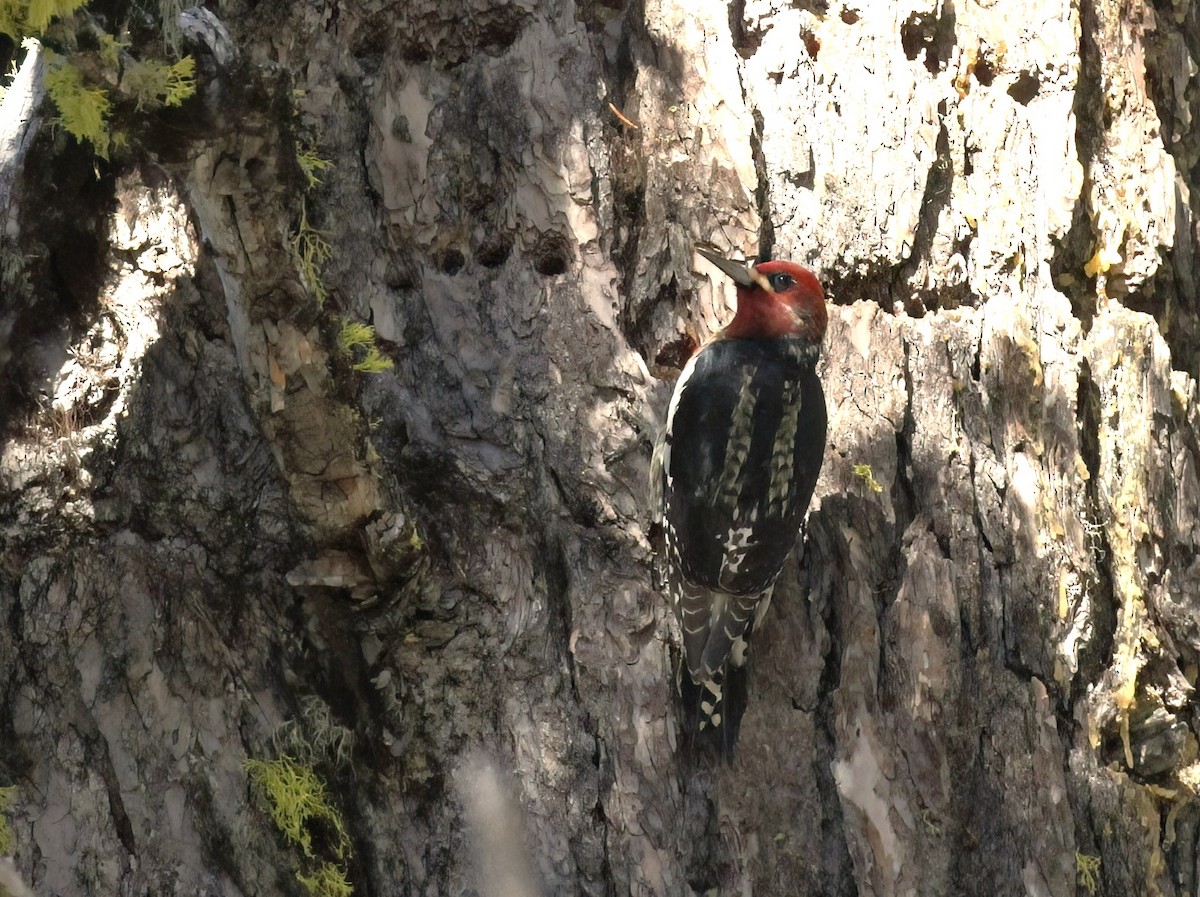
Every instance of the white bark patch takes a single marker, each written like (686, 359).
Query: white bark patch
(398, 149)
(861, 783)
(18, 112)
(90, 390)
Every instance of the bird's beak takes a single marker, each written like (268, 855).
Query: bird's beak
(742, 274)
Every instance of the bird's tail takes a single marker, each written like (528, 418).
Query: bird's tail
(713, 709)
(713, 679)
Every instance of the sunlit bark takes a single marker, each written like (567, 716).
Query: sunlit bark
(219, 541)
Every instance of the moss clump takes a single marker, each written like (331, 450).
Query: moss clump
(92, 87)
(20, 18)
(864, 473)
(1086, 869)
(311, 163)
(7, 795)
(154, 84)
(295, 797)
(357, 336)
(328, 881)
(82, 111)
(314, 736)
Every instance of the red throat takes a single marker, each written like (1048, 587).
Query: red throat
(796, 310)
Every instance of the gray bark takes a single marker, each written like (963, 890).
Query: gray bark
(220, 542)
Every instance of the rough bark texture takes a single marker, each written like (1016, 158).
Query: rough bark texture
(221, 542)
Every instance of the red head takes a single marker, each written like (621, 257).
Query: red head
(775, 299)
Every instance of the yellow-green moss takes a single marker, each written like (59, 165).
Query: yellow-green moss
(295, 797)
(374, 362)
(298, 803)
(328, 880)
(154, 84)
(1086, 869)
(82, 111)
(355, 335)
(20, 18)
(311, 251)
(7, 795)
(864, 473)
(311, 162)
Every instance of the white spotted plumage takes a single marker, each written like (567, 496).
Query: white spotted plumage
(737, 542)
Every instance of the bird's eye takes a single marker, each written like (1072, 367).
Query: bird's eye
(780, 282)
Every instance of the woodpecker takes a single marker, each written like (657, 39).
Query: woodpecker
(731, 477)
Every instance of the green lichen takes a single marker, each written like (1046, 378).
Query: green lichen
(329, 880)
(295, 797)
(171, 33)
(1086, 869)
(355, 335)
(111, 49)
(299, 805)
(864, 473)
(154, 84)
(82, 111)
(7, 796)
(310, 251)
(311, 162)
(374, 362)
(21, 18)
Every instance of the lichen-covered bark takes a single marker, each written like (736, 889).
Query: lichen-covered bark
(221, 542)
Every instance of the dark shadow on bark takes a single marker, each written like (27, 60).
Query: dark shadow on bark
(52, 275)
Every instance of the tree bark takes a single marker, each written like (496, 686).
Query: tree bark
(221, 542)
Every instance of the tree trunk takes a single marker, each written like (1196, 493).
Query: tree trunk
(224, 541)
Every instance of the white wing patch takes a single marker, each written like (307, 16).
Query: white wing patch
(662, 448)
(680, 386)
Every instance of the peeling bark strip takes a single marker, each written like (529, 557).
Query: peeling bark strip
(219, 543)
